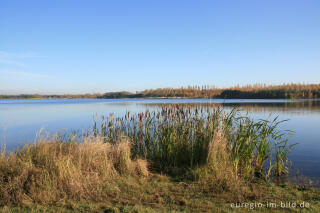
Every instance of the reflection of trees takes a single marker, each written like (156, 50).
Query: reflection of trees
(283, 107)
(296, 107)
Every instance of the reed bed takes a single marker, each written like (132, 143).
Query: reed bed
(221, 150)
(178, 136)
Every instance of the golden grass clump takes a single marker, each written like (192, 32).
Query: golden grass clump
(219, 169)
(219, 156)
(121, 157)
(142, 167)
(48, 172)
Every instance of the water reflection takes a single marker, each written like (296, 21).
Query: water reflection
(290, 107)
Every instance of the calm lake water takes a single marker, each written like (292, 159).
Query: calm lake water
(20, 120)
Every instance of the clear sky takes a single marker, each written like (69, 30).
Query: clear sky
(73, 46)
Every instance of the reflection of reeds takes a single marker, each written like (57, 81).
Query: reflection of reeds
(180, 136)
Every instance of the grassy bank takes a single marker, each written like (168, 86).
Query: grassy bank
(53, 176)
(175, 159)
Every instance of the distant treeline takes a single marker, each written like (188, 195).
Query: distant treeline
(286, 91)
(37, 96)
(256, 91)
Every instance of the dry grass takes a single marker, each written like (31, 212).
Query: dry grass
(50, 172)
(95, 176)
(219, 171)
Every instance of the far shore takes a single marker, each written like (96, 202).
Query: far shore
(285, 91)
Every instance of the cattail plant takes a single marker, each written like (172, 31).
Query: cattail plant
(179, 136)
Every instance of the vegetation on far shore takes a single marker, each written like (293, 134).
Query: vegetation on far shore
(193, 159)
(256, 91)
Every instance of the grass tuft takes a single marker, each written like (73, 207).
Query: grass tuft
(48, 172)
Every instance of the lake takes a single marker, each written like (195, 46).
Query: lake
(20, 120)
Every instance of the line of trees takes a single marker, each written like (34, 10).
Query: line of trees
(286, 91)
(256, 91)
(38, 96)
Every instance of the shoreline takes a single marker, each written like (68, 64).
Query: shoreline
(160, 98)
(285, 91)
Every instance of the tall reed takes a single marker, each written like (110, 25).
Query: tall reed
(180, 136)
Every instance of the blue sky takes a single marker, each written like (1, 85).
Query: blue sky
(98, 46)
